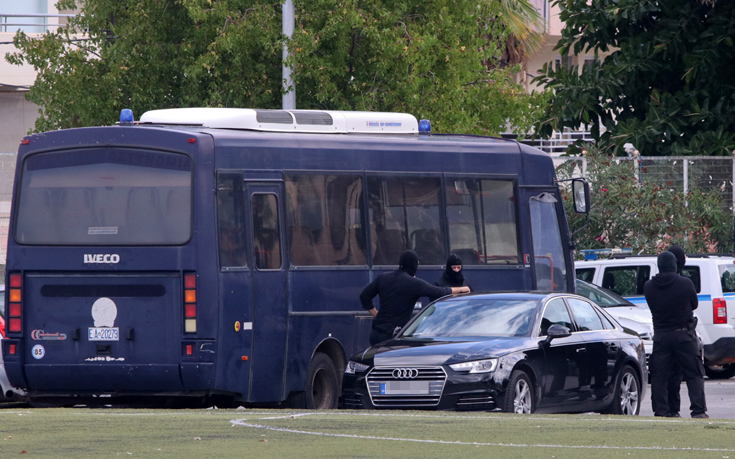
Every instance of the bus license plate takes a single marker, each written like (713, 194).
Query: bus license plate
(104, 334)
(404, 388)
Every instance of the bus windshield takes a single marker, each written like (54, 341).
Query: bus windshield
(111, 196)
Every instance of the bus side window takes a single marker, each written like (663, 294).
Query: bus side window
(324, 219)
(267, 241)
(481, 215)
(230, 220)
(404, 214)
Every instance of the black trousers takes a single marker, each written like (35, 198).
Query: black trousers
(680, 348)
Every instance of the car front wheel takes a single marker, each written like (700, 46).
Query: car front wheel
(520, 396)
(627, 393)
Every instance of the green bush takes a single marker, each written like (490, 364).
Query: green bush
(644, 216)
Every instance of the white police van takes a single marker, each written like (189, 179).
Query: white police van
(714, 279)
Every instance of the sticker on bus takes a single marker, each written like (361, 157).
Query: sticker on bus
(104, 334)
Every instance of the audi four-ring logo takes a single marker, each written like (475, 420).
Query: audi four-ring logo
(405, 373)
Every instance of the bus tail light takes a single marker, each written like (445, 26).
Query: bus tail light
(190, 303)
(15, 306)
(719, 311)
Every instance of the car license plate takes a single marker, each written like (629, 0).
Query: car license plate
(104, 334)
(404, 388)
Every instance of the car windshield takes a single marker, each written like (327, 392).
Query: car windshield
(604, 298)
(474, 317)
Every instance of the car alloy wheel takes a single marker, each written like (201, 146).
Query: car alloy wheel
(519, 398)
(629, 394)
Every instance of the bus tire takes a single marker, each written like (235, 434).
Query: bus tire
(322, 391)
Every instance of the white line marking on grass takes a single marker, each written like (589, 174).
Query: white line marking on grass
(503, 417)
(290, 416)
(242, 423)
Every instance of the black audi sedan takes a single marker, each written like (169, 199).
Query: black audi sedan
(515, 352)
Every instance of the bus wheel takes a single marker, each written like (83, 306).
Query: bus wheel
(321, 384)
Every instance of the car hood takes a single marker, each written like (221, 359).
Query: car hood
(409, 351)
(633, 313)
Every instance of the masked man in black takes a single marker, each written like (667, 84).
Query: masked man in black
(399, 291)
(672, 300)
(674, 384)
(453, 276)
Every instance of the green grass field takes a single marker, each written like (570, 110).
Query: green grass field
(81, 432)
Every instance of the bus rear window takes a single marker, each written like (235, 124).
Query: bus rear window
(111, 196)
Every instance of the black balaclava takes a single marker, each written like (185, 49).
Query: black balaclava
(455, 278)
(666, 262)
(409, 262)
(681, 257)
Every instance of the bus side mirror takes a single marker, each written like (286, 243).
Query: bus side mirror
(581, 193)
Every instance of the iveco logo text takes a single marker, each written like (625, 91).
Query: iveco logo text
(101, 258)
(405, 373)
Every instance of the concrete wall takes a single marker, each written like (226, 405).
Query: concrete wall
(17, 116)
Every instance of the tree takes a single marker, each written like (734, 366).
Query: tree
(667, 85)
(423, 57)
(645, 216)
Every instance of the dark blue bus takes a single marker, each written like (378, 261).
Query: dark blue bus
(218, 254)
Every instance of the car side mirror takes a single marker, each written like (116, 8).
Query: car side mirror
(556, 331)
(581, 193)
(396, 331)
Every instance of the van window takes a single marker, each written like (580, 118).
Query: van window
(727, 278)
(692, 272)
(585, 274)
(626, 280)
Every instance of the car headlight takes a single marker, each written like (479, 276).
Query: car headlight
(354, 367)
(476, 366)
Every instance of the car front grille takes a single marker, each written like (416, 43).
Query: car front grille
(426, 386)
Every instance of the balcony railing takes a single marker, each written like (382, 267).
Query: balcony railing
(31, 23)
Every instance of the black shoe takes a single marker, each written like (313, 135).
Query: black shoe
(673, 415)
(700, 416)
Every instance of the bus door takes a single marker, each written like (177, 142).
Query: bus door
(269, 293)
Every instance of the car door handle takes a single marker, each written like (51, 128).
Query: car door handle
(581, 349)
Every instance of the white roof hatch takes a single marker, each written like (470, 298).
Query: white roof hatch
(312, 121)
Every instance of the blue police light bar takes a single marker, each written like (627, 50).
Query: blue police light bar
(592, 254)
(424, 127)
(126, 116)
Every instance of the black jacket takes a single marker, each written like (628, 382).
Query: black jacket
(672, 299)
(399, 292)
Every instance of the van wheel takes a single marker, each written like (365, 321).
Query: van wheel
(519, 398)
(322, 391)
(626, 400)
(725, 371)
